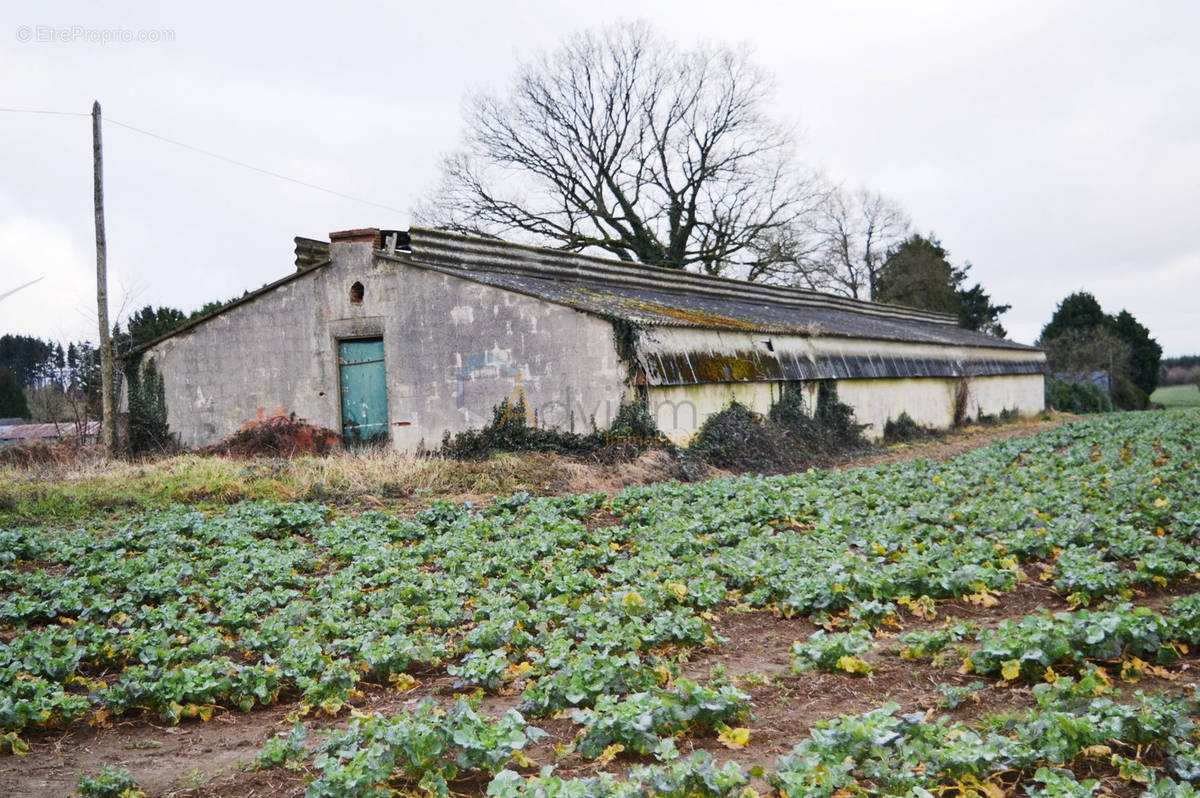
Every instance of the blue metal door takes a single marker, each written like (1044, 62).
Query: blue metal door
(364, 390)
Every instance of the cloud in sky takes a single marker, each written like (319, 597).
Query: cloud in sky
(1055, 147)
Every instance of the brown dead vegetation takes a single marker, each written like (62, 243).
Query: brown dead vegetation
(277, 436)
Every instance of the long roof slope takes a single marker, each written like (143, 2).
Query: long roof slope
(646, 295)
(653, 296)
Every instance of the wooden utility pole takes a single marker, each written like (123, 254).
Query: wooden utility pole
(108, 423)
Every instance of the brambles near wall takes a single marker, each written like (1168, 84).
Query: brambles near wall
(836, 428)
(829, 428)
(514, 429)
(905, 429)
(738, 439)
(789, 437)
(277, 436)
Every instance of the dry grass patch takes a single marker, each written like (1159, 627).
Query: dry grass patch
(88, 485)
(80, 484)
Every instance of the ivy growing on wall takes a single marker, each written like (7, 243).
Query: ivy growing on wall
(148, 430)
(625, 335)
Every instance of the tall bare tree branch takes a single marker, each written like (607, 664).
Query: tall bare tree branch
(847, 242)
(620, 142)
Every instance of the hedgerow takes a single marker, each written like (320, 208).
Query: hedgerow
(1077, 397)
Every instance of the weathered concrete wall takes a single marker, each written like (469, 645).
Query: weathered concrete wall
(1025, 394)
(930, 402)
(250, 361)
(680, 410)
(453, 349)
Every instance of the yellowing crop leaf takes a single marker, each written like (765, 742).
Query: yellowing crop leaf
(982, 599)
(733, 738)
(609, 754)
(403, 681)
(853, 665)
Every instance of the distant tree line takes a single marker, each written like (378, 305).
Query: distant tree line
(12, 398)
(1180, 370)
(46, 381)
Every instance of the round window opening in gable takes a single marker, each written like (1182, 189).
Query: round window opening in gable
(356, 293)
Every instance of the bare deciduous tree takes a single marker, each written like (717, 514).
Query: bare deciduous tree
(619, 142)
(848, 242)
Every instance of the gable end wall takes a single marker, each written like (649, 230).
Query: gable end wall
(453, 350)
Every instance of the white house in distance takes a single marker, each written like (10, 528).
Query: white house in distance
(15, 432)
(411, 334)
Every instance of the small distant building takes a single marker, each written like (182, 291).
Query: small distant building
(408, 335)
(22, 433)
(1100, 379)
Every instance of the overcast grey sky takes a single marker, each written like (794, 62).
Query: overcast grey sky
(1057, 148)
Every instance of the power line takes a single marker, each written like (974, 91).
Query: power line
(7, 294)
(251, 167)
(210, 154)
(40, 111)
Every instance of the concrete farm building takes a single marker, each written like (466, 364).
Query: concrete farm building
(412, 334)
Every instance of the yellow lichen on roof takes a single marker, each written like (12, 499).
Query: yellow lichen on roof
(699, 318)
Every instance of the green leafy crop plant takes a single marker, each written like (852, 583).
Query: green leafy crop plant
(1069, 640)
(886, 753)
(695, 776)
(428, 747)
(567, 600)
(832, 652)
(639, 721)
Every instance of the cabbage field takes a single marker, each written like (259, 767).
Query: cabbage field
(563, 634)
